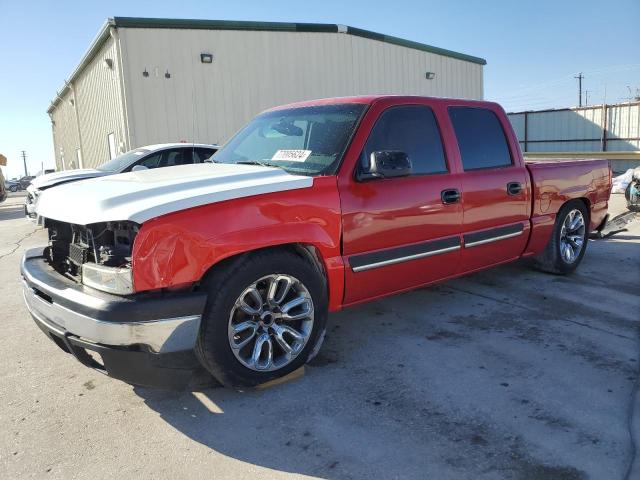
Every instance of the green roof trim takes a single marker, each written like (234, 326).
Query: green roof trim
(415, 45)
(134, 22)
(193, 24)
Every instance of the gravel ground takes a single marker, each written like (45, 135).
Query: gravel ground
(505, 374)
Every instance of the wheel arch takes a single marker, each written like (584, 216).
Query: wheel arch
(585, 202)
(334, 284)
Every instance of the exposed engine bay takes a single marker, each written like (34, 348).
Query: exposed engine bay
(106, 243)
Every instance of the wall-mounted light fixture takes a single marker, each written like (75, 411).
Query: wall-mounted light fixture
(206, 58)
(108, 63)
(167, 74)
(430, 75)
(145, 73)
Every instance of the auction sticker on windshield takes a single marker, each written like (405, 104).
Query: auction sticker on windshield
(292, 155)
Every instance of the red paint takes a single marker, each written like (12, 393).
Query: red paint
(340, 217)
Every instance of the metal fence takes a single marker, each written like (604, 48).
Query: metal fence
(598, 128)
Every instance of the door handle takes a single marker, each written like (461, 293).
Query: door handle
(514, 188)
(451, 195)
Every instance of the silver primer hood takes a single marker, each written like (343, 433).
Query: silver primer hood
(142, 195)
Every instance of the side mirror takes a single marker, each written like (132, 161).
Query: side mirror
(387, 164)
(139, 168)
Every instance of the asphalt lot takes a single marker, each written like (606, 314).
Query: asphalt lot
(509, 373)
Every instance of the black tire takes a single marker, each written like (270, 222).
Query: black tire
(13, 188)
(226, 284)
(551, 260)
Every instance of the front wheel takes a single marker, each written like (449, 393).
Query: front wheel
(265, 317)
(568, 241)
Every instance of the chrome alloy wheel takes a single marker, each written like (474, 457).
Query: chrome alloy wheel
(271, 322)
(572, 236)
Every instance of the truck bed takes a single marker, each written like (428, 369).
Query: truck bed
(556, 180)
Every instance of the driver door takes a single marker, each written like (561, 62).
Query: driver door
(398, 232)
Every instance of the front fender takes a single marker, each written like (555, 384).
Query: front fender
(179, 248)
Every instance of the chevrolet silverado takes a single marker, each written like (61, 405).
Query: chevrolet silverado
(234, 266)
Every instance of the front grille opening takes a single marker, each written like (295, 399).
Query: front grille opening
(105, 243)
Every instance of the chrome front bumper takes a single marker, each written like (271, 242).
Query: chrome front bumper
(159, 322)
(144, 339)
(159, 336)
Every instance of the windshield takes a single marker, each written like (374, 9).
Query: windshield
(123, 161)
(304, 140)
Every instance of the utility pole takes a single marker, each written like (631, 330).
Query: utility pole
(579, 77)
(586, 98)
(24, 161)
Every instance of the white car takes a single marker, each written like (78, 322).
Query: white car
(151, 156)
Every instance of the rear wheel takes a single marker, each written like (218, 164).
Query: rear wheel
(13, 188)
(265, 317)
(568, 241)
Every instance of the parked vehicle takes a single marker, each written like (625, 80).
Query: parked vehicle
(25, 181)
(3, 188)
(310, 208)
(152, 156)
(11, 186)
(632, 192)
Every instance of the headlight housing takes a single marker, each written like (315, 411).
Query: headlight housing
(116, 280)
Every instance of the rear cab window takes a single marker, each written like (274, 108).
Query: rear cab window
(200, 155)
(481, 138)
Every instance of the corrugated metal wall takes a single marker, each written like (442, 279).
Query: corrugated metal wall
(65, 133)
(99, 105)
(579, 129)
(623, 123)
(255, 70)
(89, 109)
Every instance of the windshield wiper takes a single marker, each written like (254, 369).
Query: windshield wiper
(256, 162)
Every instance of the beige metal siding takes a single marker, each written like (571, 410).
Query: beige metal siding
(623, 122)
(90, 109)
(99, 105)
(255, 70)
(580, 129)
(65, 133)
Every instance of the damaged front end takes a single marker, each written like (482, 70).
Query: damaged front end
(97, 255)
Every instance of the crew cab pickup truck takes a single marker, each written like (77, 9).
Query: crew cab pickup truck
(233, 266)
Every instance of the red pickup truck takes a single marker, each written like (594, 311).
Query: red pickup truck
(233, 266)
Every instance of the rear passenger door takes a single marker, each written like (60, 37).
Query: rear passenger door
(495, 192)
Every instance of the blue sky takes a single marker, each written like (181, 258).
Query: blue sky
(533, 48)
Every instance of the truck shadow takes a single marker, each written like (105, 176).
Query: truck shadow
(446, 382)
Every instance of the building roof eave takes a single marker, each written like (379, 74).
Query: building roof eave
(88, 56)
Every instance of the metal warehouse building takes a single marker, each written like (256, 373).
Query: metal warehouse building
(145, 81)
